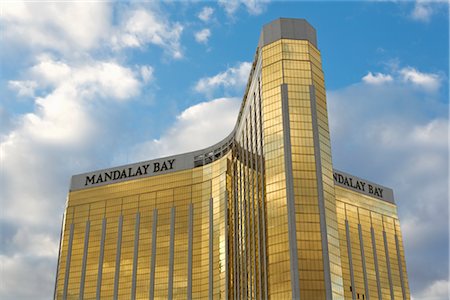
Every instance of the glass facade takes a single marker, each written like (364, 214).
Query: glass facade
(373, 261)
(256, 216)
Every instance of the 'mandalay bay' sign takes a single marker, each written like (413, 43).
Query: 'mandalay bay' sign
(112, 175)
(132, 171)
(363, 186)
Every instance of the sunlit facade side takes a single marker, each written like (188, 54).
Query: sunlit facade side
(259, 215)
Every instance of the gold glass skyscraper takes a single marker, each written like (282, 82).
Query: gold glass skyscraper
(261, 214)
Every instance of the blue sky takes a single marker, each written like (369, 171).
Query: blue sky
(92, 85)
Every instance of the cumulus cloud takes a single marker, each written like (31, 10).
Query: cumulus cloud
(422, 11)
(377, 78)
(144, 26)
(65, 27)
(6, 122)
(433, 134)
(206, 13)
(38, 272)
(396, 134)
(147, 73)
(195, 128)
(99, 78)
(24, 88)
(49, 71)
(438, 290)
(72, 28)
(428, 81)
(62, 119)
(253, 7)
(202, 36)
(234, 78)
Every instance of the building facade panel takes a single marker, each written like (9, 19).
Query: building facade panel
(372, 232)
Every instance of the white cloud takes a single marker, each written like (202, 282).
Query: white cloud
(142, 26)
(230, 6)
(421, 12)
(438, 290)
(253, 7)
(50, 72)
(424, 10)
(233, 78)
(206, 13)
(66, 119)
(6, 122)
(66, 27)
(37, 272)
(203, 35)
(24, 88)
(199, 126)
(434, 134)
(72, 28)
(100, 78)
(427, 81)
(377, 78)
(38, 243)
(147, 73)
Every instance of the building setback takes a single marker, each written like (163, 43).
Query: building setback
(260, 215)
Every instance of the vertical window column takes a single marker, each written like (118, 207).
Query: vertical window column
(350, 263)
(235, 231)
(375, 257)
(242, 228)
(388, 263)
(227, 286)
(69, 256)
(83, 265)
(256, 194)
(249, 235)
(319, 179)
(100, 259)
(292, 230)
(363, 259)
(153, 263)
(135, 256)
(190, 237)
(118, 251)
(263, 197)
(171, 252)
(254, 207)
(211, 249)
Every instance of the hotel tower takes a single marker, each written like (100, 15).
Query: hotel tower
(260, 215)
